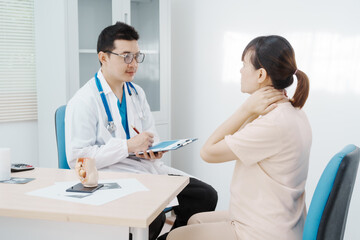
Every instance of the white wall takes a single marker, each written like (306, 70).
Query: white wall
(207, 42)
(21, 138)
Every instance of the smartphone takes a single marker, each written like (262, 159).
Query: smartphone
(80, 188)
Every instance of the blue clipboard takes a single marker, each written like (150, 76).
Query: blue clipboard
(169, 145)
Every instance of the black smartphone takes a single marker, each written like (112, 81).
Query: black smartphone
(80, 188)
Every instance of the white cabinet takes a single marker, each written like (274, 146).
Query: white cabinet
(151, 18)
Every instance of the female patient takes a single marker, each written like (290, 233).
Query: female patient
(269, 137)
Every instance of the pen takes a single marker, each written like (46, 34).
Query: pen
(137, 131)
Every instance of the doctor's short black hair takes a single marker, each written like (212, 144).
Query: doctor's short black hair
(118, 31)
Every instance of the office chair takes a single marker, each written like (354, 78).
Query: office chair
(329, 206)
(60, 136)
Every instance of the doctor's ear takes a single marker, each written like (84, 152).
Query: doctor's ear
(103, 57)
(262, 75)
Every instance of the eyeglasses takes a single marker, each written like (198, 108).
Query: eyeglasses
(129, 57)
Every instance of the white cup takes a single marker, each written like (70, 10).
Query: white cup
(5, 164)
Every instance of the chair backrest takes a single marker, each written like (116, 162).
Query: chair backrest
(60, 136)
(329, 206)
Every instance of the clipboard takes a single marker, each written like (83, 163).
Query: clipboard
(169, 145)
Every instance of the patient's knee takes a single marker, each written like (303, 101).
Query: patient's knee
(195, 219)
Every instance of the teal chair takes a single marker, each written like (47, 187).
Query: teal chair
(329, 206)
(60, 136)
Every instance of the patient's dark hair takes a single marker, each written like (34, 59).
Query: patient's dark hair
(277, 57)
(118, 31)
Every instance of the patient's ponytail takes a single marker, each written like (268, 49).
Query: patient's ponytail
(302, 89)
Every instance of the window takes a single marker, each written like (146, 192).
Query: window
(18, 101)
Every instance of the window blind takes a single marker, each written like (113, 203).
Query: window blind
(18, 100)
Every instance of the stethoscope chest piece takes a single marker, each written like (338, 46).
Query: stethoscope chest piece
(111, 127)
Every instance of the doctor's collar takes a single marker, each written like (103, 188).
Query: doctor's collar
(106, 87)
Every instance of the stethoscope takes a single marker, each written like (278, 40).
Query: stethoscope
(111, 127)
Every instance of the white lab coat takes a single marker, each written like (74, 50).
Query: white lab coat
(86, 134)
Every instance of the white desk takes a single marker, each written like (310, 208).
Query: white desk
(29, 217)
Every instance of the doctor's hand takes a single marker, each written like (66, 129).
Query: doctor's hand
(151, 155)
(263, 101)
(140, 142)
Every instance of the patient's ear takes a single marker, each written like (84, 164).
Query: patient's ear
(262, 75)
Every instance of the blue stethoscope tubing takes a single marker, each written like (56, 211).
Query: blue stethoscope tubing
(111, 127)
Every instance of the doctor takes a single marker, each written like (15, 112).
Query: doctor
(99, 117)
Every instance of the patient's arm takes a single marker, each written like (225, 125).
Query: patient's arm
(261, 102)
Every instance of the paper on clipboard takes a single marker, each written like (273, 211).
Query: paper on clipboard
(170, 145)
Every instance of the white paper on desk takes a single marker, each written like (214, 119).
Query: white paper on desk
(58, 191)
